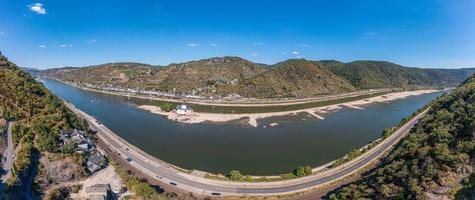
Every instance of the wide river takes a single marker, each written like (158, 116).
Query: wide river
(219, 148)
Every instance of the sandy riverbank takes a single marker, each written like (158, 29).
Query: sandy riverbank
(252, 118)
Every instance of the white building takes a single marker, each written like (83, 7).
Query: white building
(183, 109)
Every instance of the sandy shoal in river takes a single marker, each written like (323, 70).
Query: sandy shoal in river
(197, 117)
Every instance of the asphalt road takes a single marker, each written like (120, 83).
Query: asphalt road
(8, 154)
(166, 173)
(7, 158)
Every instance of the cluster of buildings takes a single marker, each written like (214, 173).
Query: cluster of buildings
(194, 94)
(80, 143)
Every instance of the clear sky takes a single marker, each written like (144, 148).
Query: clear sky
(56, 33)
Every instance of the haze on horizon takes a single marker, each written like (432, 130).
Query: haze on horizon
(55, 33)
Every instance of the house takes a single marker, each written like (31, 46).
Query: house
(95, 162)
(183, 109)
(84, 146)
(232, 96)
(98, 192)
(64, 136)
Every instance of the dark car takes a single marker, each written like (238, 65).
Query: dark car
(216, 193)
(128, 159)
(172, 183)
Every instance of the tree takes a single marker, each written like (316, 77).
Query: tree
(302, 171)
(235, 175)
(167, 107)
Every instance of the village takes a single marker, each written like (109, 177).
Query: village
(103, 182)
(193, 94)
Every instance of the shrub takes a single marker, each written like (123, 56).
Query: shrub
(302, 171)
(167, 107)
(235, 175)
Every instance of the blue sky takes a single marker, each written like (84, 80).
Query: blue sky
(56, 33)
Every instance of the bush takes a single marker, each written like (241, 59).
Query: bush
(302, 171)
(57, 194)
(167, 107)
(235, 175)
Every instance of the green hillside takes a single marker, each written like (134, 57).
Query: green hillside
(291, 78)
(38, 118)
(379, 74)
(435, 160)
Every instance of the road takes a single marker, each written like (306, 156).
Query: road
(8, 154)
(167, 173)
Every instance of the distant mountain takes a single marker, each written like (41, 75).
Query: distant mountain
(292, 78)
(379, 74)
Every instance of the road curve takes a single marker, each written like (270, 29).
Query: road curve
(168, 173)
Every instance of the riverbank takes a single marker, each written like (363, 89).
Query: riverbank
(252, 118)
(164, 172)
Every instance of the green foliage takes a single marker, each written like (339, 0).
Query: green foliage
(57, 194)
(380, 74)
(435, 148)
(167, 107)
(235, 175)
(468, 188)
(302, 171)
(38, 117)
(140, 187)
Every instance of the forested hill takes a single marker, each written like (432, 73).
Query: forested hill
(39, 117)
(291, 78)
(379, 74)
(435, 160)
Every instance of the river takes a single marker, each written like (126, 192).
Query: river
(219, 148)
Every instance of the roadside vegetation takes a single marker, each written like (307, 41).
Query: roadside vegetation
(434, 160)
(140, 187)
(235, 175)
(385, 134)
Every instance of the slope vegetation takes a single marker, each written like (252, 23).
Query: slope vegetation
(292, 78)
(379, 74)
(38, 117)
(434, 161)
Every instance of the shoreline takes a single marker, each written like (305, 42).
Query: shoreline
(251, 103)
(252, 118)
(319, 112)
(319, 173)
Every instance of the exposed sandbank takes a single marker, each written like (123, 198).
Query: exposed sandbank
(197, 117)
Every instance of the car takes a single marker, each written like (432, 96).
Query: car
(216, 193)
(128, 159)
(173, 183)
(159, 177)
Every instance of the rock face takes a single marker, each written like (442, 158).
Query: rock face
(55, 168)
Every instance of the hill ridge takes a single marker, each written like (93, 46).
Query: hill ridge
(221, 76)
